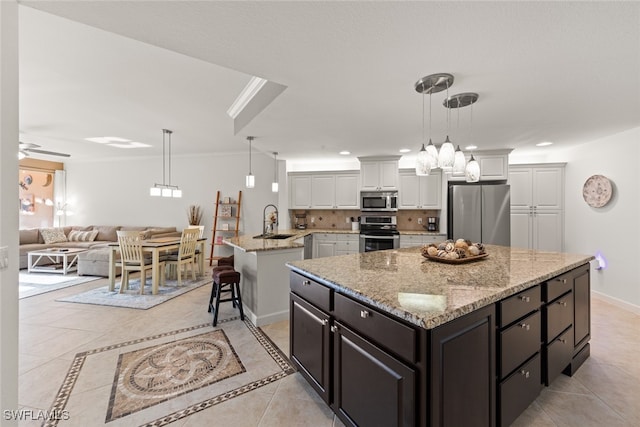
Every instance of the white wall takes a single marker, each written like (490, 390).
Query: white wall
(105, 192)
(613, 230)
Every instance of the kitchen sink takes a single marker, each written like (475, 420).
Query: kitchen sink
(273, 236)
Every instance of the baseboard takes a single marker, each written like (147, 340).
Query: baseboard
(265, 319)
(617, 302)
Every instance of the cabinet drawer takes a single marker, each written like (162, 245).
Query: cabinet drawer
(519, 342)
(559, 354)
(348, 237)
(389, 333)
(559, 316)
(342, 245)
(517, 392)
(317, 294)
(557, 286)
(512, 308)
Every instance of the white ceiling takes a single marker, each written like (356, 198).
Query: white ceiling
(567, 72)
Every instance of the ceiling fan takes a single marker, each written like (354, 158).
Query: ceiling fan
(29, 147)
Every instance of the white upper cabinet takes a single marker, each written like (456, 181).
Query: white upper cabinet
(299, 191)
(348, 191)
(379, 173)
(494, 165)
(537, 186)
(324, 190)
(419, 192)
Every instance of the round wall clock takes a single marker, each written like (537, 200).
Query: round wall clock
(597, 191)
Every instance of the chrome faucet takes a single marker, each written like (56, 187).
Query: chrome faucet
(264, 219)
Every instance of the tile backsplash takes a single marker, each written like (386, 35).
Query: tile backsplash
(341, 219)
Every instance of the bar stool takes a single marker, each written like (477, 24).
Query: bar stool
(221, 279)
(214, 285)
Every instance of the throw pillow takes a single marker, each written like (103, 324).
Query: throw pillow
(53, 235)
(83, 236)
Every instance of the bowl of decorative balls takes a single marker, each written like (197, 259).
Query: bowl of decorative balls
(454, 251)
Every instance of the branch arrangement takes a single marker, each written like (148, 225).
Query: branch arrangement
(194, 214)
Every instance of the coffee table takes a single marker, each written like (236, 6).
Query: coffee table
(62, 260)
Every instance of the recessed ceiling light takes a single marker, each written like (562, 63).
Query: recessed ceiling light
(404, 150)
(471, 147)
(345, 152)
(131, 144)
(106, 139)
(544, 144)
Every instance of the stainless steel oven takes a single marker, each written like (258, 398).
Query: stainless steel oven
(378, 232)
(379, 201)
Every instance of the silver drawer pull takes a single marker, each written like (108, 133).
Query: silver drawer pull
(525, 326)
(364, 314)
(325, 322)
(306, 282)
(525, 373)
(525, 299)
(562, 280)
(334, 329)
(563, 341)
(562, 303)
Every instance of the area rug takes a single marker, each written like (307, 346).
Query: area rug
(157, 380)
(31, 284)
(131, 298)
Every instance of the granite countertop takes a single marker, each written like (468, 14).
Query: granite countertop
(428, 293)
(249, 244)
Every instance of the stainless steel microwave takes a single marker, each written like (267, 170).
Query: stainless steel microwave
(379, 201)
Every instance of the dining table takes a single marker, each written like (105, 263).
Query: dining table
(155, 246)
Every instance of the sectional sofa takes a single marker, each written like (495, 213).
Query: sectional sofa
(94, 262)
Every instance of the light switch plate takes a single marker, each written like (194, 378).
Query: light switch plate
(4, 257)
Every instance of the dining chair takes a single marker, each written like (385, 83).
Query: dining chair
(132, 258)
(199, 253)
(186, 255)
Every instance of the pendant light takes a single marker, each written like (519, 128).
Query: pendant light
(433, 83)
(250, 180)
(459, 162)
(446, 155)
(423, 162)
(274, 184)
(165, 189)
(472, 170)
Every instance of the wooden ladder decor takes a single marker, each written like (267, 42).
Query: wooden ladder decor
(226, 211)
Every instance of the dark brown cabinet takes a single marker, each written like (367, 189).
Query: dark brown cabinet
(462, 371)
(481, 369)
(310, 344)
(372, 388)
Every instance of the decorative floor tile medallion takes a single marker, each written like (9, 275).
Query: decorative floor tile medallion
(155, 374)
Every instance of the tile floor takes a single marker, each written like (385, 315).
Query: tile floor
(605, 391)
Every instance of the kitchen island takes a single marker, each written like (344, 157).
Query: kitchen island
(390, 338)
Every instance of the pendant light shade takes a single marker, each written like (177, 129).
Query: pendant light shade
(166, 189)
(459, 162)
(446, 156)
(432, 151)
(472, 170)
(250, 180)
(274, 184)
(423, 162)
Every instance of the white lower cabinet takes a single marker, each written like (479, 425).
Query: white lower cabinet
(539, 230)
(331, 244)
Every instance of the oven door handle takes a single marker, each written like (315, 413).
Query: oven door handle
(368, 236)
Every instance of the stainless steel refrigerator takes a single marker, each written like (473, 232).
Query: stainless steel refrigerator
(480, 213)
